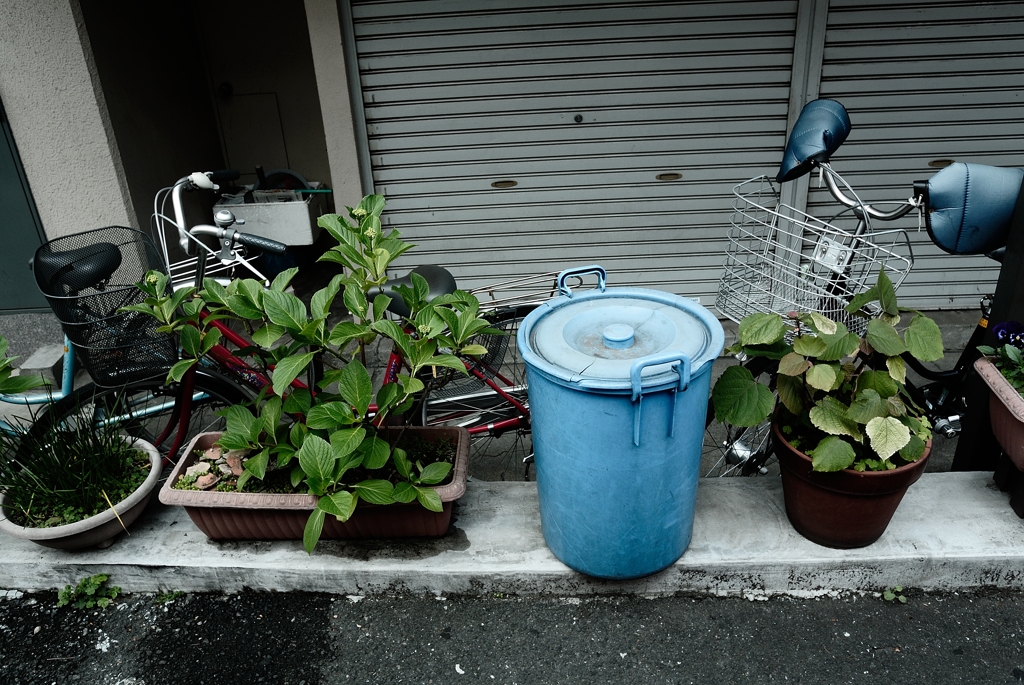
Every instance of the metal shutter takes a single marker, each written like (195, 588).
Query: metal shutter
(459, 95)
(924, 81)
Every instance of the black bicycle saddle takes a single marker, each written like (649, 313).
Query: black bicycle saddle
(439, 281)
(65, 273)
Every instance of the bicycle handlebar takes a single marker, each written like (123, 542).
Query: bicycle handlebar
(858, 207)
(248, 239)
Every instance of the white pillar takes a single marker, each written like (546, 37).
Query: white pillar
(50, 90)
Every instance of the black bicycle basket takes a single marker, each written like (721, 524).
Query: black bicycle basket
(87, 278)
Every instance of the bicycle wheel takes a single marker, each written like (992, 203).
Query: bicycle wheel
(500, 430)
(736, 451)
(145, 408)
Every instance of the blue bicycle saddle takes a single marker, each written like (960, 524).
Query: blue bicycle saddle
(819, 131)
(969, 207)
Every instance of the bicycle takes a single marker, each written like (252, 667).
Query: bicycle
(167, 414)
(782, 260)
(89, 279)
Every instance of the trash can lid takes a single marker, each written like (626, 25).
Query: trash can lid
(592, 338)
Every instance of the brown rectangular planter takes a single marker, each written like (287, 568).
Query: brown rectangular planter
(260, 516)
(1006, 408)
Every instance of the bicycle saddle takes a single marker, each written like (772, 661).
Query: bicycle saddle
(439, 281)
(67, 272)
(820, 129)
(969, 206)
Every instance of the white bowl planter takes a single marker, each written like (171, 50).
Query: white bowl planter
(101, 529)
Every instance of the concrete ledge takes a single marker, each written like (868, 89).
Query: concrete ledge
(952, 531)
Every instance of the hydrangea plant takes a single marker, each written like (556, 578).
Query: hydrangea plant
(843, 396)
(326, 435)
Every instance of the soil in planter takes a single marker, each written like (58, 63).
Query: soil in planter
(278, 480)
(32, 508)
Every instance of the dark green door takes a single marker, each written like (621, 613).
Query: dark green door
(20, 230)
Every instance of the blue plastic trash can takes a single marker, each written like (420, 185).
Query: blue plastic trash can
(619, 381)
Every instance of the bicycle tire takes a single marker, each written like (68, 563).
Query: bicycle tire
(736, 451)
(458, 400)
(90, 403)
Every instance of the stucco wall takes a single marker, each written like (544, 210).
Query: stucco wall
(62, 131)
(329, 63)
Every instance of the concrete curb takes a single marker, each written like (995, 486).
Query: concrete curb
(742, 545)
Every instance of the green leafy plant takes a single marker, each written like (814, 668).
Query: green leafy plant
(91, 591)
(53, 473)
(843, 398)
(9, 383)
(167, 597)
(894, 595)
(1010, 362)
(326, 435)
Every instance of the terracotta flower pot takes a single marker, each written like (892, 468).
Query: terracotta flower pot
(101, 529)
(842, 509)
(1006, 408)
(267, 516)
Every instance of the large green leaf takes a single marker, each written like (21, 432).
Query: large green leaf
(375, 452)
(434, 473)
(897, 369)
(268, 335)
(879, 381)
(821, 376)
(838, 345)
(375, 491)
(924, 339)
(191, 341)
(429, 498)
(913, 450)
(340, 504)
(314, 527)
(740, 400)
(317, 461)
(791, 393)
(761, 329)
(809, 345)
(832, 454)
(868, 405)
(355, 386)
(285, 309)
(886, 294)
(404, 492)
(830, 416)
(345, 441)
(882, 336)
(862, 298)
(288, 370)
(257, 463)
(821, 324)
(888, 435)
(283, 278)
(330, 416)
(240, 420)
(242, 306)
(320, 303)
(355, 300)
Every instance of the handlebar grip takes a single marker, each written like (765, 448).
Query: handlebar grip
(259, 242)
(224, 175)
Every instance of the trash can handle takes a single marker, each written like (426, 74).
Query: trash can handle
(682, 368)
(602, 277)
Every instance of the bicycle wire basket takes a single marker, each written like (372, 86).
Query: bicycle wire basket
(87, 278)
(780, 260)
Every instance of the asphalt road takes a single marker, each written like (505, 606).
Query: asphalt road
(303, 639)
